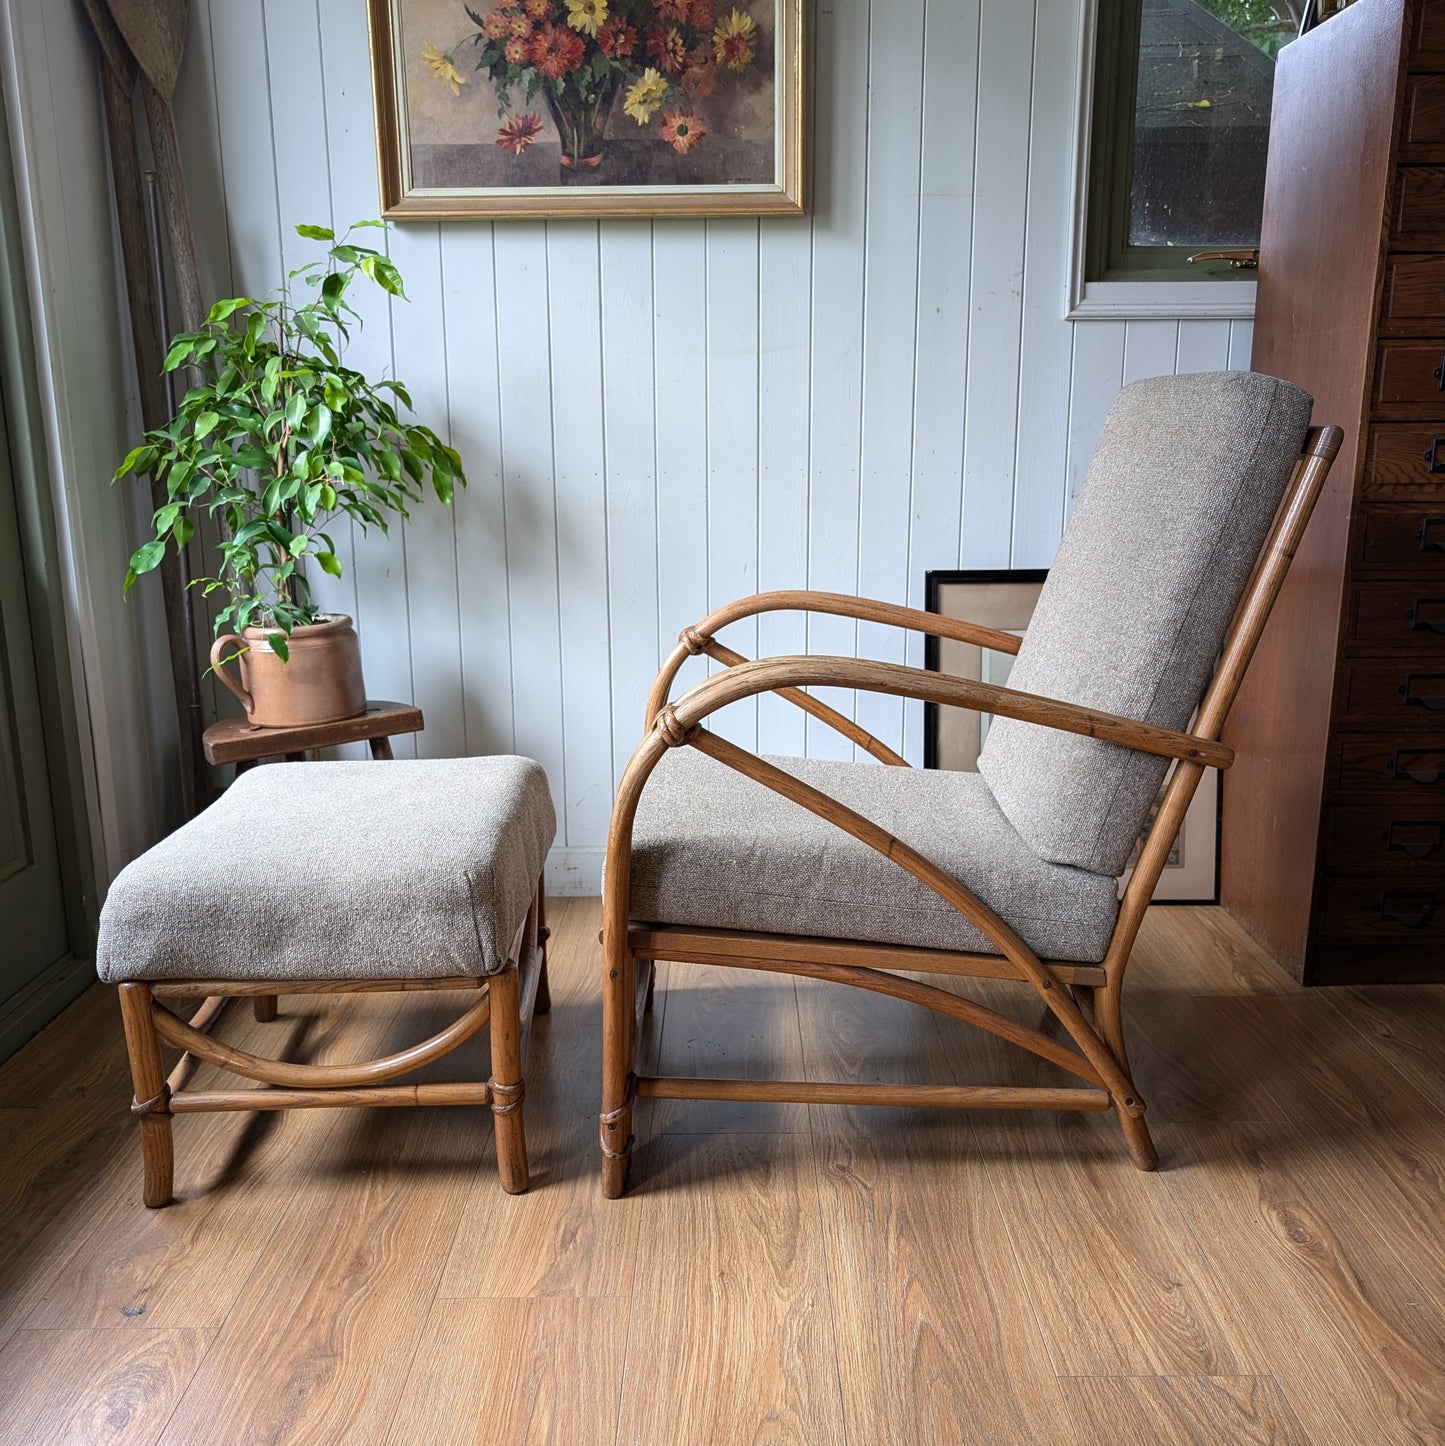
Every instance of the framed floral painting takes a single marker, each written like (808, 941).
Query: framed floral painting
(542, 108)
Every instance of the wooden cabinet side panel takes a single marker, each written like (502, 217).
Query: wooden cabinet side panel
(1321, 253)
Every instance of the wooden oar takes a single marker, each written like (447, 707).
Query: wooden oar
(118, 70)
(154, 32)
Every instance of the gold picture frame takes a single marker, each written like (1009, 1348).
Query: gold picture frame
(588, 114)
(953, 737)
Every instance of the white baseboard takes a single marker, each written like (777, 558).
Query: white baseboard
(575, 873)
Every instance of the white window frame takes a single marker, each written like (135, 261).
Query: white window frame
(1114, 300)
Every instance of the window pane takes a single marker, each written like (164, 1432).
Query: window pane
(1201, 124)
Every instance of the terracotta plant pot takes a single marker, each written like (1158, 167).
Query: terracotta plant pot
(320, 683)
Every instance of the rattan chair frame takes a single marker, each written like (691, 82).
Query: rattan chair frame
(1083, 1031)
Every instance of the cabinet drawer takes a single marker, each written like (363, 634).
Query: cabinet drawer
(1374, 961)
(1403, 838)
(1414, 299)
(1406, 693)
(1404, 462)
(1385, 908)
(1427, 44)
(1388, 770)
(1410, 376)
(1419, 211)
(1404, 614)
(1424, 120)
(1400, 538)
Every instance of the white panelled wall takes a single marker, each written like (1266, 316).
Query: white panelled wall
(657, 417)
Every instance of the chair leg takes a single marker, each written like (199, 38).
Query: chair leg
(542, 1001)
(506, 1081)
(1108, 1015)
(619, 1007)
(152, 1106)
(1137, 1141)
(263, 1006)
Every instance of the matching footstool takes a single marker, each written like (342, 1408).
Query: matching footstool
(313, 878)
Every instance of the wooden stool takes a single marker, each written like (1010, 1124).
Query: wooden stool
(423, 875)
(234, 740)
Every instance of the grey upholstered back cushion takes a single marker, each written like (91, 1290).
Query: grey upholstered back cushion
(399, 870)
(1179, 497)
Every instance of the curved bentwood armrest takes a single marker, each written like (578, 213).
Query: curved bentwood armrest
(701, 639)
(768, 674)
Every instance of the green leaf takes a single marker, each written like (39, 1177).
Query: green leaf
(181, 348)
(295, 410)
(164, 518)
(146, 559)
(183, 531)
(330, 563)
(316, 233)
(222, 309)
(321, 417)
(280, 647)
(388, 277)
(137, 459)
(206, 424)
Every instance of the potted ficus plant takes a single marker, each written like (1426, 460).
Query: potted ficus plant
(276, 439)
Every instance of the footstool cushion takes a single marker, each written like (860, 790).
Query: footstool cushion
(394, 870)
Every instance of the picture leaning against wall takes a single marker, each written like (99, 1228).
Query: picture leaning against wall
(529, 108)
(953, 737)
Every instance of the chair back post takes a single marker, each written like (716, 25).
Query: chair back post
(1322, 444)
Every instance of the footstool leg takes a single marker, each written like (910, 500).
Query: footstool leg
(506, 1080)
(152, 1106)
(263, 1006)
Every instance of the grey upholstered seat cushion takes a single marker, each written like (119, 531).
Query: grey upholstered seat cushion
(397, 870)
(713, 848)
(1179, 497)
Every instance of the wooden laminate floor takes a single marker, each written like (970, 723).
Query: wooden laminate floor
(778, 1273)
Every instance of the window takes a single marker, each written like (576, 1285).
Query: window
(1182, 92)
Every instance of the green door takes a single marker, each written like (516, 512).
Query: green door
(33, 927)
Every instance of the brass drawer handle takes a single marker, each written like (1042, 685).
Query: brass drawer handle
(1418, 848)
(1400, 769)
(1435, 702)
(1418, 623)
(1412, 911)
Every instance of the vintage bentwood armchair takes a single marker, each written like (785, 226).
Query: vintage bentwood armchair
(848, 871)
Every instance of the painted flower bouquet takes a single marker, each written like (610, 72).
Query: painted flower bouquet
(662, 56)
